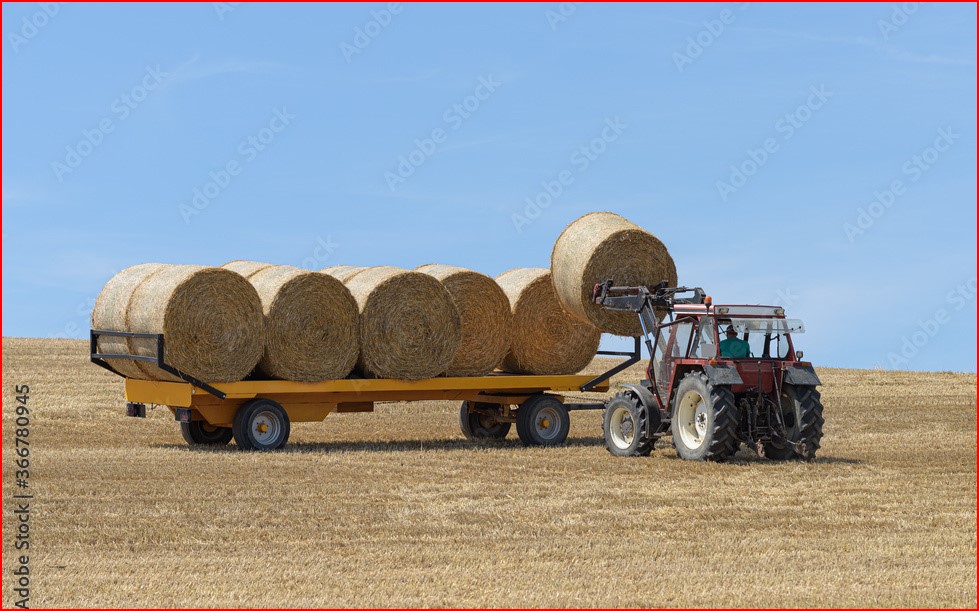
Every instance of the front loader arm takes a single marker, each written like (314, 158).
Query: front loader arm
(636, 299)
(644, 300)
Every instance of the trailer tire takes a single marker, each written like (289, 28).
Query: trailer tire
(705, 420)
(477, 426)
(542, 420)
(626, 427)
(261, 424)
(200, 433)
(802, 412)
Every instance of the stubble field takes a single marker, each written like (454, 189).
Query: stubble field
(396, 508)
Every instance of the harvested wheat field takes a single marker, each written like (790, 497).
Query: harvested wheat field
(395, 508)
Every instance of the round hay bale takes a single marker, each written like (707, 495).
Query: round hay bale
(599, 246)
(211, 319)
(409, 325)
(546, 340)
(311, 322)
(109, 314)
(246, 268)
(342, 272)
(486, 319)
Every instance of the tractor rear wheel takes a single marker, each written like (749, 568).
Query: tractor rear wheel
(200, 433)
(625, 427)
(542, 420)
(802, 413)
(261, 424)
(705, 420)
(477, 425)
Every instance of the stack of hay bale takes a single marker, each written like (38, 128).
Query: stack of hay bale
(273, 321)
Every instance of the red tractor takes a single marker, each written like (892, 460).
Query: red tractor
(710, 394)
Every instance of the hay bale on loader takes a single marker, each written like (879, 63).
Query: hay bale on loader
(486, 318)
(409, 325)
(602, 245)
(342, 272)
(546, 340)
(311, 322)
(211, 319)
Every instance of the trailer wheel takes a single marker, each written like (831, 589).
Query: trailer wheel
(705, 420)
(200, 433)
(625, 427)
(261, 424)
(802, 412)
(542, 420)
(476, 425)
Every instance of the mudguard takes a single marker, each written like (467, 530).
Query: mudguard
(723, 374)
(648, 403)
(645, 396)
(801, 375)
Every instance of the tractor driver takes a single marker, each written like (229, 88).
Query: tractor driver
(733, 347)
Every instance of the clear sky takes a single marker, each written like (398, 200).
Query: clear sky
(822, 157)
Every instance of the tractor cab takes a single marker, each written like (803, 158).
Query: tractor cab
(701, 334)
(729, 366)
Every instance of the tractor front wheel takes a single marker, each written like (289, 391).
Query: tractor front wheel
(705, 420)
(625, 427)
(802, 414)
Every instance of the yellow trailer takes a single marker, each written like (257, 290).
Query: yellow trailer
(258, 413)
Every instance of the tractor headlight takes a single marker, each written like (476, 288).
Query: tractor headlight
(722, 310)
(798, 355)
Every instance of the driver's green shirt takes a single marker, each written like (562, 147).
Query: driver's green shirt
(735, 348)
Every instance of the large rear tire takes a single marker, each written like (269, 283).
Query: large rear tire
(802, 413)
(542, 420)
(625, 427)
(705, 420)
(479, 426)
(261, 424)
(200, 433)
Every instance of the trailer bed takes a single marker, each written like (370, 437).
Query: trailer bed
(258, 413)
(185, 394)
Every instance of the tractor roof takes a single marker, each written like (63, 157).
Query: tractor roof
(730, 309)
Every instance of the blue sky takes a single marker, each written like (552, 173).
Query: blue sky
(821, 157)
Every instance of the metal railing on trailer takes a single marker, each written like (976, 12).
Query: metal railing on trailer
(99, 357)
